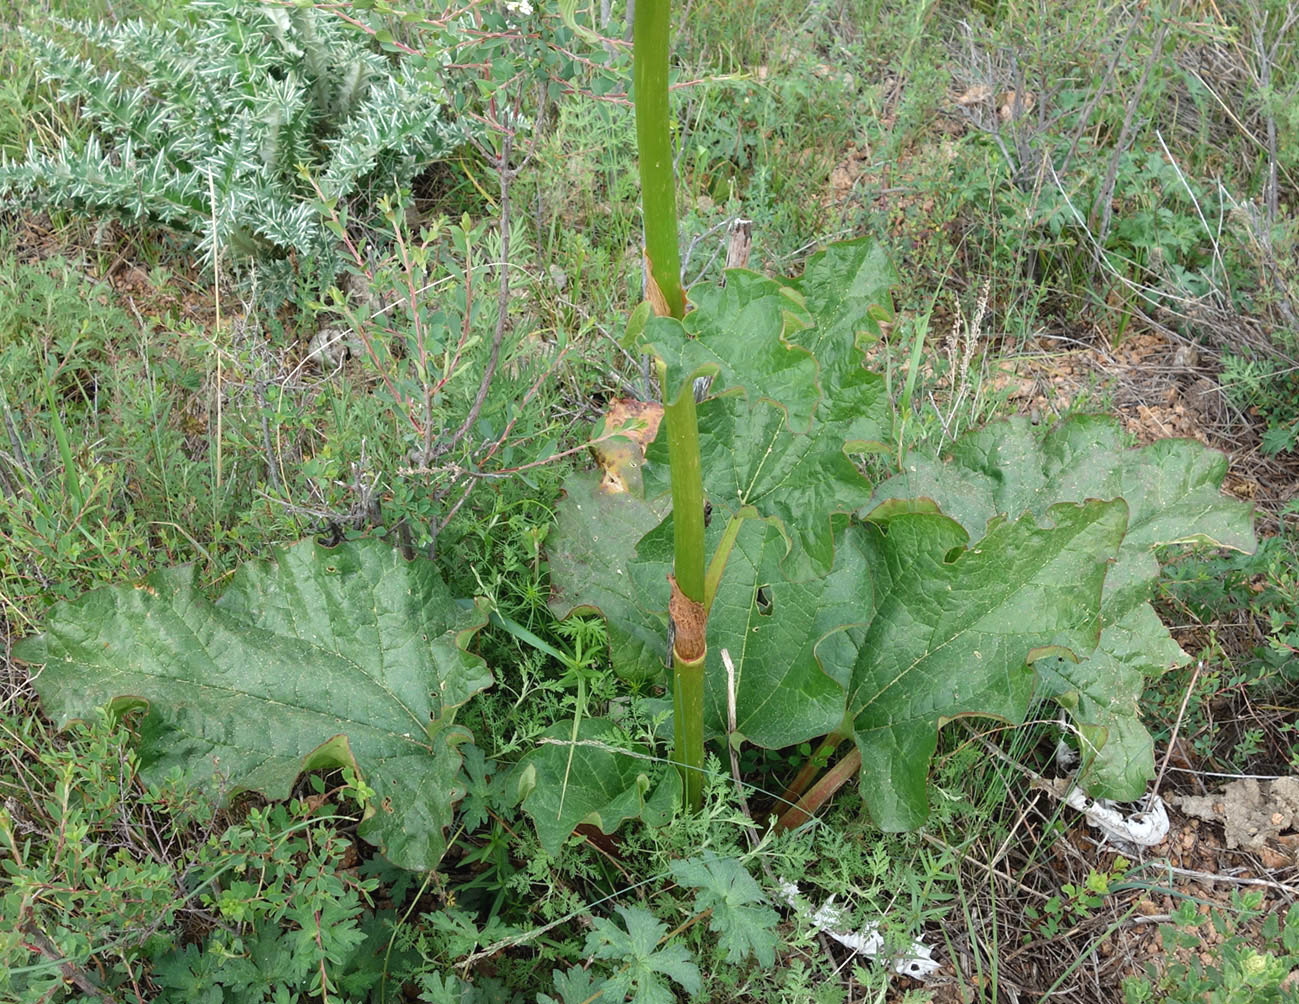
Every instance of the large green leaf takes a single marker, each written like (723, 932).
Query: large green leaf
(954, 628)
(319, 657)
(792, 400)
(592, 551)
(737, 334)
(786, 639)
(751, 459)
(789, 342)
(1173, 496)
(786, 689)
(603, 780)
(847, 288)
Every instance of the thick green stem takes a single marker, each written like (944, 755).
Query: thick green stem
(654, 145)
(687, 494)
(687, 610)
(662, 251)
(688, 726)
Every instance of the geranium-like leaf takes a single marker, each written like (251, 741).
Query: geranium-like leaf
(1172, 489)
(319, 657)
(641, 959)
(955, 626)
(741, 916)
(602, 779)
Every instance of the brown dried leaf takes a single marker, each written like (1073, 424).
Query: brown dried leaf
(631, 426)
(974, 95)
(1012, 106)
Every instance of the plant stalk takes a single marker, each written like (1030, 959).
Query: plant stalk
(833, 779)
(687, 497)
(688, 726)
(811, 767)
(652, 24)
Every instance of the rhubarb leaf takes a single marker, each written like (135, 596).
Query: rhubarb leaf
(955, 626)
(317, 657)
(1172, 489)
(601, 779)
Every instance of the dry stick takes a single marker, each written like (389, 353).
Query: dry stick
(42, 945)
(1172, 739)
(1086, 115)
(505, 175)
(1289, 890)
(1266, 57)
(731, 729)
(990, 869)
(1106, 194)
(216, 294)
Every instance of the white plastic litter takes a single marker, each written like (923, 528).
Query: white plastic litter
(1145, 828)
(1065, 755)
(829, 918)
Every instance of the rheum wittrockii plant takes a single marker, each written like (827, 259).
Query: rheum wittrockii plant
(689, 601)
(1017, 567)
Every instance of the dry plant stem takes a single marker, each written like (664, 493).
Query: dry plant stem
(834, 779)
(216, 296)
(733, 747)
(1177, 726)
(505, 174)
(1104, 204)
(37, 941)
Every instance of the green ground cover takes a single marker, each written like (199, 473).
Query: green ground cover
(311, 283)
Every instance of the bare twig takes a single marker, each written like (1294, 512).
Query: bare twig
(731, 729)
(1172, 739)
(1103, 207)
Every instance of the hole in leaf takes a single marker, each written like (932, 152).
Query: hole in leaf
(763, 599)
(951, 556)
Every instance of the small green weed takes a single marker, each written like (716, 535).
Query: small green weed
(101, 875)
(1243, 970)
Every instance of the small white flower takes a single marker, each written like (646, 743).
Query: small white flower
(519, 8)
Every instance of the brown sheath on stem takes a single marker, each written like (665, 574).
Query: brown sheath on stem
(658, 302)
(689, 622)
